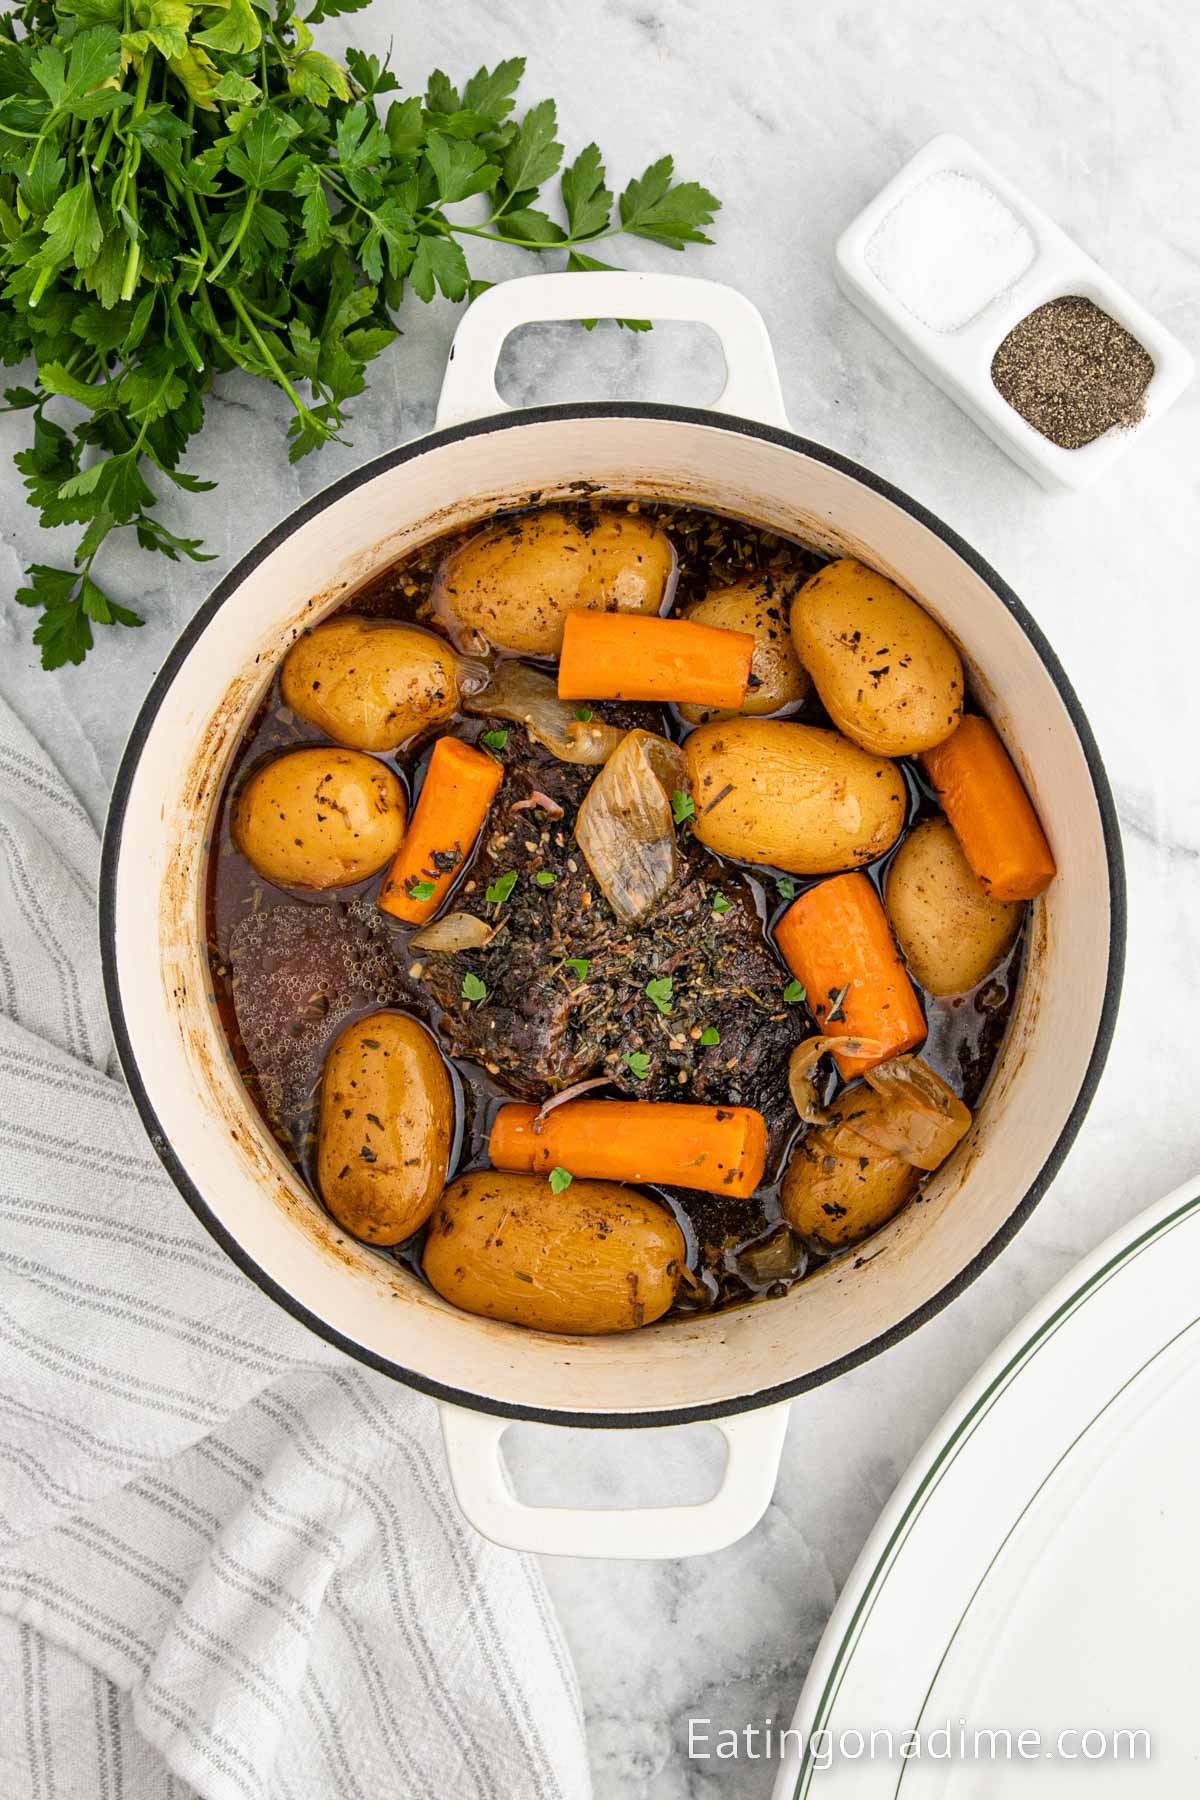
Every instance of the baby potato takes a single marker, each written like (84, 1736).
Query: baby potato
(795, 796)
(951, 932)
(370, 684)
(888, 675)
(758, 606)
(837, 1195)
(383, 1133)
(319, 818)
(512, 586)
(597, 1257)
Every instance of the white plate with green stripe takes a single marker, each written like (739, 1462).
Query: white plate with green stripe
(1037, 1571)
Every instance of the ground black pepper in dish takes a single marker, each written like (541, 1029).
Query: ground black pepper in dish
(1072, 372)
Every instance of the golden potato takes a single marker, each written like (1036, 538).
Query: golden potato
(888, 675)
(757, 605)
(795, 796)
(597, 1257)
(512, 586)
(837, 1187)
(383, 1134)
(951, 932)
(371, 684)
(319, 818)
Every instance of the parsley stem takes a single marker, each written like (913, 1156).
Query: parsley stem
(264, 349)
(105, 140)
(252, 199)
(133, 267)
(562, 243)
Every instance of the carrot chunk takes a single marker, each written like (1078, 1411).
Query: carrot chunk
(990, 812)
(718, 1149)
(630, 656)
(837, 942)
(460, 784)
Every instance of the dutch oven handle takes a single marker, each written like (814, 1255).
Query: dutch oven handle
(754, 1440)
(753, 1446)
(751, 388)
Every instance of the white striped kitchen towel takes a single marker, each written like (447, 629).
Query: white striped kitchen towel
(230, 1561)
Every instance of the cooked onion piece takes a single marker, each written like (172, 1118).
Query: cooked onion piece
(922, 1119)
(625, 826)
(457, 931)
(803, 1061)
(529, 697)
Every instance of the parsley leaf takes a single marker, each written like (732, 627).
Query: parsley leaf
(710, 1035)
(473, 988)
(658, 991)
(495, 740)
(420, 890)
(560, 1180)
(497, 891)
(584, 714)
(545, 878)
(587, 200)
(682, 807)
(785, 888)
(580, 964)
(638, 1064)
(794, 993)
(721, 904)
(668, 211)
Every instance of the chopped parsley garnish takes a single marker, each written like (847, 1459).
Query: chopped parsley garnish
(545, 878)
(580, 964)
(710, 1035)
(787, 889)
(682, 807)
(420, 890)
(794, 993)
(584, 714)
(495, 740)
(659, 992)
(560, 1179)
(473, 988)
(638, 1064)
(721, 904)
(499, 890)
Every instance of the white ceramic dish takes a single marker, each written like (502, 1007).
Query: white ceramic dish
(1037, 1568)
(736, 1367)
(960, 361)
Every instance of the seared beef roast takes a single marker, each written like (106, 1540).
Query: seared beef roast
(546, 1024)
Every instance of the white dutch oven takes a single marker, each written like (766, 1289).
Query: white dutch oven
(738, 1368)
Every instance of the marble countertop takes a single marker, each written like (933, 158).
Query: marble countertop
(1091, 110)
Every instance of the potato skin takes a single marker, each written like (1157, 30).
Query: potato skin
(598, 1257)
(513, 584)
(370, 684)
(837, 1196)
(384, 1089)
(888, 675)
(319, 818)
(756, 605)
(951, 932)
(800, 798)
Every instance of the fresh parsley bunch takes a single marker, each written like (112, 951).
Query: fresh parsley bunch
(189, 186)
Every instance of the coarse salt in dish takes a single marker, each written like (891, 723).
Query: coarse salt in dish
(948, 249)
